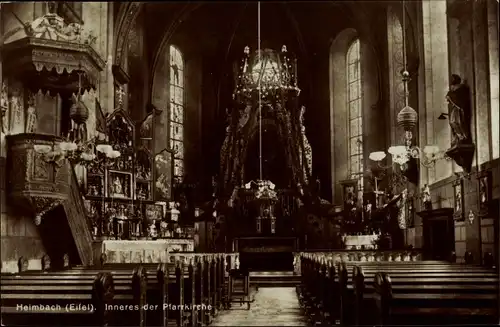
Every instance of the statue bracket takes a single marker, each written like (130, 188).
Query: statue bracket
(42, 205)
(463, 155)
(52, 65)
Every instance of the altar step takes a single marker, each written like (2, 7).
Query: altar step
(274, 279)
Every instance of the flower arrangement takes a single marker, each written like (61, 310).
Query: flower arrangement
(77, 153)
(265, 189)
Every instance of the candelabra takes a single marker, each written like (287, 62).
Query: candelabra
(266, 197)
(264, 191)
(84, 153)
(407, 118)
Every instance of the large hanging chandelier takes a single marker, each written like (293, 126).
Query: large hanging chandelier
(266, 74)
(407, 118)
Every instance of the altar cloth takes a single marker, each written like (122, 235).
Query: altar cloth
(354, 242)
(147, 251)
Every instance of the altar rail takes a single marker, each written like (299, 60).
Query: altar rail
(338, 256)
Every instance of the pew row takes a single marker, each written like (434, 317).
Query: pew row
(328, 296)
(191, 293)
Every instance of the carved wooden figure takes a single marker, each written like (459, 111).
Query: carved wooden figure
(22, 264)
(46, 262)
(458, 196)
(485, 190)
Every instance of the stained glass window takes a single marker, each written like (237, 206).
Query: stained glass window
(177, 110)
(355, 122)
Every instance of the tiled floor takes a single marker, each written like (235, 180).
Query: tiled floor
(273, 306)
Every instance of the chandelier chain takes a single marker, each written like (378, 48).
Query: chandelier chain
(405, 73)
(260, 92)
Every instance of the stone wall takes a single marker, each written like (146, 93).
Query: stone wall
(469, 55)
(19, 235)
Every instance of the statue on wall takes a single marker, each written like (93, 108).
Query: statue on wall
(4, 107)
(426, 198)
(459, 111)
(31, 114)
(17, 118)
(305, 150)
(117, 186)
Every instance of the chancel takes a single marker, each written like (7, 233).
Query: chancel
(316, 163)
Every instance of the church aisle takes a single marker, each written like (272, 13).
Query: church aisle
(273, 306)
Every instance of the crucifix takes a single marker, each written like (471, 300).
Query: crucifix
(120, 93)
(377, 192)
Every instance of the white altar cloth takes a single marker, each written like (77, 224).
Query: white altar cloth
(354, 242)
(147, 251)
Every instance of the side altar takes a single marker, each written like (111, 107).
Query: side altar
(144, 251)
(129, 201)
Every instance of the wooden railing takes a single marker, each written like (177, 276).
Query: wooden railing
(78, 221)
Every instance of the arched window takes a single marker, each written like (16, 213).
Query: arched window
(177, 110)
(354, 105)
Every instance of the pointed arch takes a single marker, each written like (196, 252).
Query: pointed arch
(339, 114)
(354, 115)
(176, 108)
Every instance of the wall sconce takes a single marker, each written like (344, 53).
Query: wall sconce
(471, 217)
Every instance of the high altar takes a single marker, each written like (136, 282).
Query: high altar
(266, 158)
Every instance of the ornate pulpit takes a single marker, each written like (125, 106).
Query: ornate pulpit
(36, 185)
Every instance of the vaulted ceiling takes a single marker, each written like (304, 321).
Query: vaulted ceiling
(225, 28)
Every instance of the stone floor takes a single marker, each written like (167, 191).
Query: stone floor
(273, 306)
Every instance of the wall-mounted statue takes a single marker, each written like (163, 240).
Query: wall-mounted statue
(426, 198)
(460, 116)
(459, 111)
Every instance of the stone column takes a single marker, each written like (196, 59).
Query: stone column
(436, 82)
(481, 82)
(396, 65)
(107, 96)
(160, 98)
(492, 17)
(372, 110)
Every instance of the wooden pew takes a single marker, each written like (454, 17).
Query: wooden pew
(55, 285)
(139, 288)
(201, 289)
(320, 292)
(63, 304)
(422, 276)
(317, 290)
(453, 282)
(128, 291)
(413, 306)
(201, 286)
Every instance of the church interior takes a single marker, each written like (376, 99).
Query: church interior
(313, 163)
